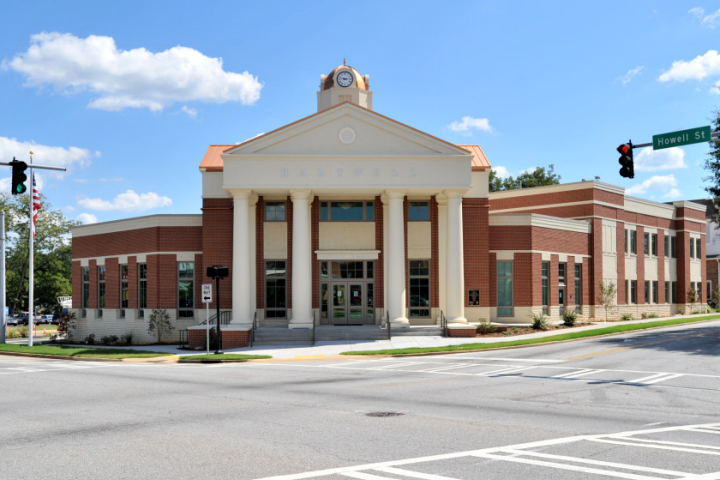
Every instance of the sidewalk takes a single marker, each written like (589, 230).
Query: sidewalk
(329, 349)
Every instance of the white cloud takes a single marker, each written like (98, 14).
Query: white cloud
(44, 154)
(654, 184)
(627, 78)
(192, 112)
(87, 218)
(501, 172)
(128, 201)
(696, 69)
(673, 193)
(711, 21)
(469, 123)
(134, 78)
(649, 160)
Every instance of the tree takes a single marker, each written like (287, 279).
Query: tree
(535, 178)
(159, 321)
(692, 297)
(606, 297)
(712, 165)
(52, 253)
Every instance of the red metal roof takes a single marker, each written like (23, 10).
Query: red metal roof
(479, 161)
(212, 161)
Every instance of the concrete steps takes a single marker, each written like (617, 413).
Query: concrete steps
(285, 336)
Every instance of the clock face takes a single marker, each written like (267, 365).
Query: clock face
(344, 79)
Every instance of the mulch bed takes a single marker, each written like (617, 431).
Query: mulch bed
(502, 331)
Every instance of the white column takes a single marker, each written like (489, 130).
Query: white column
(442, 250)
(302, 316)
(241, 287)
(455, 273)
(396, 258)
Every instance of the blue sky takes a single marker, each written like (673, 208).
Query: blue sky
(129, 95)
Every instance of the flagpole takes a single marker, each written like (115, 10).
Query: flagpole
(31, 277)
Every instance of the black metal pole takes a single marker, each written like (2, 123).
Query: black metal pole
(217, 304)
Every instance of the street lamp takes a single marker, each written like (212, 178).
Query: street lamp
(217, 272)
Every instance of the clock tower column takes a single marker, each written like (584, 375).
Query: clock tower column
(344, 84)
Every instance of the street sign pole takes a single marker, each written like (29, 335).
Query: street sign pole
(207, 298)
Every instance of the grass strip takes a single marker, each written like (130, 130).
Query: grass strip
(81, 352)
(221, 357)
(531, 341)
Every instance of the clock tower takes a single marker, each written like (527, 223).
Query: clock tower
(344, 84)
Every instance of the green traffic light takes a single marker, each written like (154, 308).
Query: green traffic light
(21, 188)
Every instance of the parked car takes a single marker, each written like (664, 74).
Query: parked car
(45, 319)
(11, 320)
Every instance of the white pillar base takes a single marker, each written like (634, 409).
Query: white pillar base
(300, 325)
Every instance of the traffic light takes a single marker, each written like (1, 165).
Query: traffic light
(626, 160)
(18, 176)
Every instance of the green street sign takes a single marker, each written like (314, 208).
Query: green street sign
(683, 137)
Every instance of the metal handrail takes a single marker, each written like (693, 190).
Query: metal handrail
(313, 333)
(252, 331)
(389, 328)
(443, 324)
(225, 318)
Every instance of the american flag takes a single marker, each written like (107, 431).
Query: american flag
(36, 204)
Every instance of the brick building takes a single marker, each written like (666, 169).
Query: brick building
(348, 217)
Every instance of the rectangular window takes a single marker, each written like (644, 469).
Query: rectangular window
(545, 288)
(275, 289)
(123, 289)
(633, 291)
(667, 291)
(646, 243)
(698, 253)
(85, 272)
(347, 211)
(692, 248)
(673, 292)
(647, 292)
(505, 288)
(627, 292)
(101, 287)
(667, 246)
(274, 211)
(419, 279)
(633, 241)
(626, 240)
(419, 211)
(655, 292)
(578, 287)
(673, 253)
(186, 289)
(653, 237)
(142, 289)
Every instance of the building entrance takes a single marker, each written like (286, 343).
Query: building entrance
(347, 292)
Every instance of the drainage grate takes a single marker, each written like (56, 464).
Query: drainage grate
(384, 414)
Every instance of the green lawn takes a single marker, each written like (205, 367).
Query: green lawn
(553, 338)
(222, 356)
(82, 352)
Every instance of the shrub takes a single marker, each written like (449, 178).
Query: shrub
(627, 316)
(644, 315)
(12, 333)
(23, 332)
(539, 321)
(569, 317)
(486, 326)
(127, 339)
(653, 315)
(66, 325)
(159, 322)
(90, 339)
(695, 312)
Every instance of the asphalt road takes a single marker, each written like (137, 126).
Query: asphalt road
(642, 405)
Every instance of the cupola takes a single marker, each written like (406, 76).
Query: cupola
(344, 84)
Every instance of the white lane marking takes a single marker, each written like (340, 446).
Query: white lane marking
(534, 360)
(396, 365)
(591, 372)
(562, 466)
(448, 456)
(409, 473)
(344, 364)
(660, 447)
(451, 367)
(665, 442)
(644, 379)
(596, 462)
(508, 371)
(364, 476)
(573, 373)
(703, 430)
(666, 377)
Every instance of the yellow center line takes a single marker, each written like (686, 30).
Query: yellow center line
(614, 350)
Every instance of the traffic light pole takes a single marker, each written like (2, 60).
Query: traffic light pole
(641, 145)
(40, 167)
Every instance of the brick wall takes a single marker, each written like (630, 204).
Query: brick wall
(217, 240)
(492, 274)
(527, 279)
(76, 285)
(711, 273)
(476, 247)
(132, 282)
(596, 272)
(112, 283)
(683, 265)
(93, 294)
(570, 282)
(553, 279)
(661, 265)
(167, 286)
(620, 249)
(640, 265)
(155, 239)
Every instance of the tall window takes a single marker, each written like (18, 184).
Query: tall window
(653, 239)
(667, 246)
(655, 292)
(419, 211)
(626, 240)
(647, 292)
(186, 289)
(419, 288)
(347, 211)
(697, 248)
(646, 243)
(633, 241)
(673, 252)
(123, 289)
(692, 248)
(545, 288)
(673, 291)
(633, 291)
(101, 287)
(667, 291)
(85, 290)
(505, 288)
(578, 287)
(274, 211)
(142, 289)
(275, 289)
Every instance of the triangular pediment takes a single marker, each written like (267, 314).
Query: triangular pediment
(346, 130)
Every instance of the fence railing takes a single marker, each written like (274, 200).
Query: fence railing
(252, 331)
(443, 324)
(225, 318)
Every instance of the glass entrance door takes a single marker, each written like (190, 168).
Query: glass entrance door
(355, 304)
(339, 304)
(347, 293)
(347, 303)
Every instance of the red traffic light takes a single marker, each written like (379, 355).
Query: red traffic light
(624, 148)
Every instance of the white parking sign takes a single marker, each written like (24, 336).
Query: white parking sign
(207, 292)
